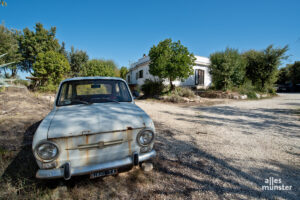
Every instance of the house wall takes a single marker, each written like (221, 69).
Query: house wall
(143, 64)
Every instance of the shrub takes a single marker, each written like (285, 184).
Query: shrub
(151, 88)
(175, 98)
(251, 95)
(272, 90)
(184, 92)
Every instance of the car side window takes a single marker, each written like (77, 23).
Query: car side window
(124, 91)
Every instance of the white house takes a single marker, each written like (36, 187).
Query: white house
(139, 72)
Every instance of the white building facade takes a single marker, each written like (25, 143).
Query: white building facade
(139, 72)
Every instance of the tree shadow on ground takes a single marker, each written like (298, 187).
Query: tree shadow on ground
(256, 119)
(196, 170)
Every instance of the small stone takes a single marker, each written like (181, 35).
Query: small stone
(243, 97)
(147, 166)
(185, 99)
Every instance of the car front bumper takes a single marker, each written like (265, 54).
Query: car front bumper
(75, 171)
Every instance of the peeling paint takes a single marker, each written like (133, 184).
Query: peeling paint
(129, 139)
(67, 145)
(87, 151)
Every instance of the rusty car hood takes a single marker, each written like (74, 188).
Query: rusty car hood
(75, 120)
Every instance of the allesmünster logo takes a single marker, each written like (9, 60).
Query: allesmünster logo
(272, 183)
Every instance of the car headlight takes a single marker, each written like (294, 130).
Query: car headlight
(145, 137)
(46, 151)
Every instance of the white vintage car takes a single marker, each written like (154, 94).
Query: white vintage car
(94, 128)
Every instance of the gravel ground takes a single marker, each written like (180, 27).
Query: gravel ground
(228, 150)
(224, 151)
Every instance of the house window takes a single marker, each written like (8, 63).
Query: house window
(137, 76)
(128, 79)
(199, 77)
(141, 74)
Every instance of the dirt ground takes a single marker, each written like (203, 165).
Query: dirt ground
(223, 151)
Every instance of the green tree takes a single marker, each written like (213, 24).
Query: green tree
(284, 75)
(123, 72)
(262, 66)
(34, 42)
(97, 67)
(9, 48)
(77, 59)
(227, 69)
(62, 50)
(171, 60)
(294, 72)
(50, 67)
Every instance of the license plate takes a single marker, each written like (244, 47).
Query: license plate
(103, 173)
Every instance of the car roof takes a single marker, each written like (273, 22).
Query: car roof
(92, 78)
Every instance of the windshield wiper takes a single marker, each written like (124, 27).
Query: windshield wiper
(80, 101)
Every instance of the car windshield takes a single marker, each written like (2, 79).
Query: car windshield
(93, 91)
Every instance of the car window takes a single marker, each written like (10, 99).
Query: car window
(93, 91)
(86, 89)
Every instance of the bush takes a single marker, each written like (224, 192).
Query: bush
(175, 98)
(251, 95)
(245, 88)
(184, 92)
(151, 88)
(272, 90)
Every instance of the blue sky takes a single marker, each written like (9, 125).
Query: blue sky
(124, 30)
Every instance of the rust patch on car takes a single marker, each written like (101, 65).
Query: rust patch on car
(129, 139)
(67, 145)
(87, 151)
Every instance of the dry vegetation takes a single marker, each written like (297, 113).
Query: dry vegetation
(183, 169)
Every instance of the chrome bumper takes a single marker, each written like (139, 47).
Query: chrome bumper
(59, 172)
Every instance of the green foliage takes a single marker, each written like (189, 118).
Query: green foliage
(151, 88)
(251, 94)
(171, 60)
(99, 68)
(247, 88)
(262, 66)
(51, 67)
(284, 75)
(227, 69)
(63, 50)
(77, 59)
(123, 72)
(294, 72)
(289, 74)
(9, 46)
(34, 42)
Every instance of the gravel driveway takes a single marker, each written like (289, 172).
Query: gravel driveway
(228, 150)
